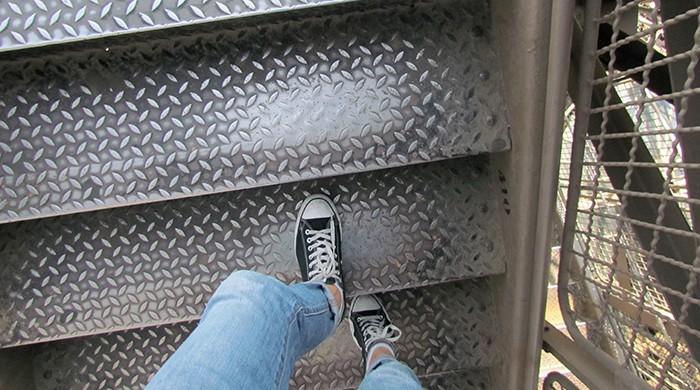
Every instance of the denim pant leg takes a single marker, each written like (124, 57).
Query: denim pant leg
(390, 374)
(252, 331)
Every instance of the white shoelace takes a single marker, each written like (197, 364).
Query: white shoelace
(322, 264)
(372, 330)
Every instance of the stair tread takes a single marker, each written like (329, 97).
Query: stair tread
(31, 23)
(458, 380)
(233, 109)
(447, 329)
(473, 379)
(158, 263)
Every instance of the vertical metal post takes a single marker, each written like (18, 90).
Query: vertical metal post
(558, 62)
(680, 37)
(583, 103)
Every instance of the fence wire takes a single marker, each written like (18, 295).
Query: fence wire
(633, 287)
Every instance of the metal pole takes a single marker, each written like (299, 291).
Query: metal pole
(583, 102)
(558, 62)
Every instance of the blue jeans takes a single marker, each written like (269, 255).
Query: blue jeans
(253, 330)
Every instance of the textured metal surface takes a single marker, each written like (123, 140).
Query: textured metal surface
(460, 380)
(26, 24)
(235, 109)
(159, 263)
(446, 327)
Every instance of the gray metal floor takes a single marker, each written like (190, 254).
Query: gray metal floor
(137, 171)
(458, 380)
(235, 109)
(159, 263)
(26, 24)
(447, 328)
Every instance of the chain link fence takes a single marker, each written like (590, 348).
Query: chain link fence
(630, 191)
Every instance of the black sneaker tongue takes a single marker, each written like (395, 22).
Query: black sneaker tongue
(317, 224)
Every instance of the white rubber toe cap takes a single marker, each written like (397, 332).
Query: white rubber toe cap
(318, 207)
(365, 303)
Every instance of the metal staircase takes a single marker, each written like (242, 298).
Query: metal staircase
(150, 148)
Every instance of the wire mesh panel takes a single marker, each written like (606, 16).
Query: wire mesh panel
(633, 213)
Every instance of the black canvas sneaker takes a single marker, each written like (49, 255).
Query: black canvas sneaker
(317, 243)
(371, 325)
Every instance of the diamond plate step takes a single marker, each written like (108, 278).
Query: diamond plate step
(446, 328)
(235, 109)
(458, 380)
(26, 24)
(159, 263)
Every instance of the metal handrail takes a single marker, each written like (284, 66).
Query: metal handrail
(621, 377)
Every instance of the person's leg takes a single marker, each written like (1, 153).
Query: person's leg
(253, 330)
(374, 334)
(390, 374)
(255, 327)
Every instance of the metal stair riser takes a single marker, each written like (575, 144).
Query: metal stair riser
(446, 328)
(25, 24)
(159, 263)
(237, 109)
